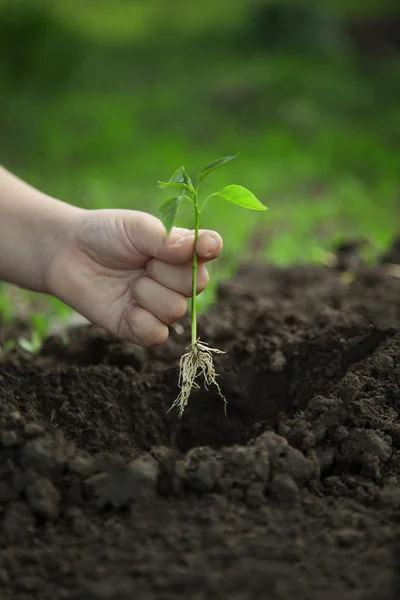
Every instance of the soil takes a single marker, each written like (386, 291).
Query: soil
(104, 495)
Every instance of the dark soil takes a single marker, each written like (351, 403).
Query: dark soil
(106, 496)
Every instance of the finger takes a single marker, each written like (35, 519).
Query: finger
(177, 277)
(145, 328)
(148, 236)
(167, 305)
(178, 248)
(209, 245)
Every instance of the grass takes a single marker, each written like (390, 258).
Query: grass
(317, 136)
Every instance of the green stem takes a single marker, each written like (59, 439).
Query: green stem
(194, 271)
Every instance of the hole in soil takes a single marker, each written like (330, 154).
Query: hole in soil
(122, 409)
(258, 396)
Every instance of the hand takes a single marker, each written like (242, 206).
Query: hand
(119, 270)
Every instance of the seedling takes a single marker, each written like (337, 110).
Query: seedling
(198, 361)
(40, 329)
(33, 344)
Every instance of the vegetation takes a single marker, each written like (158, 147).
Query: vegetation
(317, 127)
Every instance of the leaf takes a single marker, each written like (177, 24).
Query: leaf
(39, 324)
(180, 179)
(168, 211)
(25, 344)
(31, 345)
(179, 175)
(239, 195)
(214, 165)
(172, 184)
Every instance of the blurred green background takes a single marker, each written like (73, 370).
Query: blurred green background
(100, 99)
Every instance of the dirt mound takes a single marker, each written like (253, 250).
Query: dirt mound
(105, 495)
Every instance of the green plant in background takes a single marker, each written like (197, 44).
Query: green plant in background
(40, 328)
(199, 360)
(317, 129)
(40, 324)
(32, 344)
(7, 308)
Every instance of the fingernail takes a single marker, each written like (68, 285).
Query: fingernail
(212, 245)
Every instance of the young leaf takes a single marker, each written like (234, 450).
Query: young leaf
(168, 211)
(31, 345)
(179, 179)
(173, 184)
(214, 165)
(180, 175)
(239, 195)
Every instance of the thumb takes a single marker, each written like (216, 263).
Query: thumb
(179, 246)
(149, 236)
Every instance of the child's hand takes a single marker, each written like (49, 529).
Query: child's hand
(118, 269)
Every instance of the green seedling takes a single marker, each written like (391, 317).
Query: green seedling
(32, 344)
(198, 361)
(40, 325)
(40, 330)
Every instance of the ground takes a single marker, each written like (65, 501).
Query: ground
(105, 495)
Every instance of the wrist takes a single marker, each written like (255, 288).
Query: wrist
(58, 231)
(32, 227)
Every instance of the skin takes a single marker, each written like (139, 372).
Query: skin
(116, 267)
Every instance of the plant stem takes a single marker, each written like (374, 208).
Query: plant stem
(194, 270)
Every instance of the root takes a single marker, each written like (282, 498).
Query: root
(198, 361)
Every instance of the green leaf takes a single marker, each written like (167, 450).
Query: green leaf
(31, 345)
(239, 195)
(40, 324)
(173, 184)
(168, 211)
(214, 165)
(180, 175)
(180, 179)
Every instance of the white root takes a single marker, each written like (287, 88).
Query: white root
(198, 361)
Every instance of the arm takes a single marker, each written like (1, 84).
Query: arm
(32, 225)
(116, 267)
